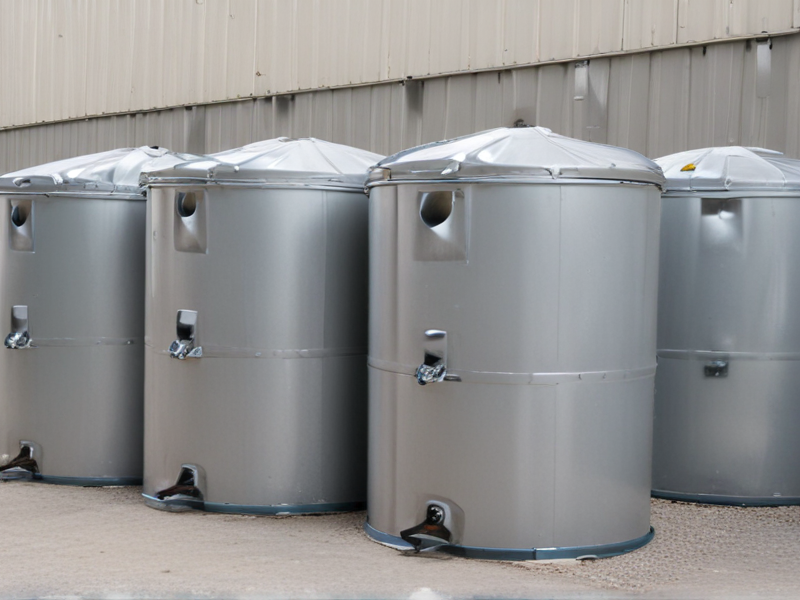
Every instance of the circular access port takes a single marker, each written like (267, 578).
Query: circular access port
(435, 208)
(186, 203)
(18, 216)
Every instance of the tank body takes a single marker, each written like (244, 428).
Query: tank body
(272, 417)
(537, 442)
(727, 400)
(72, 285)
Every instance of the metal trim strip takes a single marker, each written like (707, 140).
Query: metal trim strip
(520, 378)
(199, 181)
(88, 481)
(742, 193)
(727, 500)
(77, 342)
(253, 509)
(509, 180)
(716, 354)
(216, 351)
(599, 551)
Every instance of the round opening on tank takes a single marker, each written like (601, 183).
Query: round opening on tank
(435, 207)
(18, 216)
(186, 203)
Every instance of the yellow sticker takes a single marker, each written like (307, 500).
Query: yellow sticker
(689, 167)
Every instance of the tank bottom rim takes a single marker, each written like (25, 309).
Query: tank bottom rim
(723, 500)
(186, 503)
(597, 551)
(68, 480)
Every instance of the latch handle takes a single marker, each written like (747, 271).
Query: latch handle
(19, 337)
(434, 366)
(186, 327)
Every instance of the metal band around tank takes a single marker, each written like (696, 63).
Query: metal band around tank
(81, 195)
(511, 180)
(728, 500)
(715, 354)
(216, 351)
(72, 342)
(253, 509)
(599, 551)
(521, 378)
(246, 184)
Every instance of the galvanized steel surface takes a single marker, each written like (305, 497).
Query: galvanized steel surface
(77, 263)
(731, 169)
(107, 174)
(729, 339)
(64, 60)
(308, 162)
(655, 103)
(523, 153)
(555, 279)
(274, 412)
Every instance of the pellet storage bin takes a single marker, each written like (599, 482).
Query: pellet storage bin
(728, 382)
(72, 309)
(513, 272)
(256, 370)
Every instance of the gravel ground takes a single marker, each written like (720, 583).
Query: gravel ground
(59, 541)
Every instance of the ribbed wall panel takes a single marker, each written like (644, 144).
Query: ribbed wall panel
(656, 103)
(66, 59)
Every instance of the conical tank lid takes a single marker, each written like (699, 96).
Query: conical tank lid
(305, 161)
(530, 153)
(730, 168)
(111, 173)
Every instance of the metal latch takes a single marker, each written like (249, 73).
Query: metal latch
(434, 367)
(716, 368)
(19, 337)
(184, 347)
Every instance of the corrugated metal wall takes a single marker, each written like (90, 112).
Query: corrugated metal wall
(656, 103)
(62, 59)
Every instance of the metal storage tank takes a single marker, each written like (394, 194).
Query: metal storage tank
(71, 301)
(256, 392)
(728, 383)
(513, 278)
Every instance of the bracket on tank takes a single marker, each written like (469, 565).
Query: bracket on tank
(432, 532)
(23, 466)
(19, 338)
(716, 368)
(434, 367)
(184, 347)
(186, 494)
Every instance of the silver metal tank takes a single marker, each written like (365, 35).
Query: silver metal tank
(72, 310)
(728, 383)
(513, 273)
(256, 392)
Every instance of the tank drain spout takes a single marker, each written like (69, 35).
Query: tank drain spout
(431, 533)
(185, 494)
(23, 466)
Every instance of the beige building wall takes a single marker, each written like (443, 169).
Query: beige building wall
(71, 59)
(741, 92)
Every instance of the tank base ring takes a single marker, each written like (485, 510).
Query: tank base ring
(184, 504)
(88, 481)
(76, 481)
(599, 551)
(728, 500)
